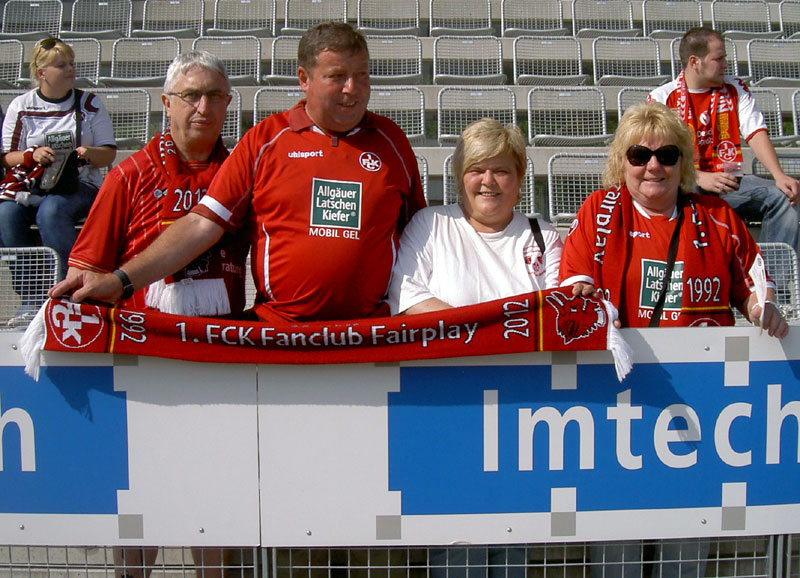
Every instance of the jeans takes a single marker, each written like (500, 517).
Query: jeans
(759, 199)
(55, 217)
(673, 559)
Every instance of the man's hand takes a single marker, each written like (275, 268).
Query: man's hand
(789, 187)
(80, 285)
(719, 183)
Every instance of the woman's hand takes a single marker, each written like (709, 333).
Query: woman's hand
(589, 290)
(44, 155)
(772, 321)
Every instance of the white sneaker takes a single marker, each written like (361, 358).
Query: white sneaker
(23, 316)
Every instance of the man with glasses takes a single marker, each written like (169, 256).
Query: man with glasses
(722, 114)
(324, 189)
(151, 189)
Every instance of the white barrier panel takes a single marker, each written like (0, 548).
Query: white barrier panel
(701, 439)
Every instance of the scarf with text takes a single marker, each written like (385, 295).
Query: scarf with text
(212, 284)
(612, 211)
(726, 143)
(551, 320)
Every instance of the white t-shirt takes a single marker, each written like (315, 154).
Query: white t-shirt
(33, 120)
(441, 255)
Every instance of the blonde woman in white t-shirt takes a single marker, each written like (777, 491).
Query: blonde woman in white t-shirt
(480, 249)
(45, 118)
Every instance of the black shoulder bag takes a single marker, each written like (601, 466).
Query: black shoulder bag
(62, 178)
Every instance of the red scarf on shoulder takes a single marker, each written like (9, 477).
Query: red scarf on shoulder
(212, 284)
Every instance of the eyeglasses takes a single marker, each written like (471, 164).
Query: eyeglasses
(639, 156)
(193, 97)
(48, 43)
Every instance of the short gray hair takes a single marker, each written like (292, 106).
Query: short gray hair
(188, 60)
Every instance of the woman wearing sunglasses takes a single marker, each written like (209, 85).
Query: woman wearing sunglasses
(646, 227)
(39, 127)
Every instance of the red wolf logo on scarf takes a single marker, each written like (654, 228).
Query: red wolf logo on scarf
(576, 316)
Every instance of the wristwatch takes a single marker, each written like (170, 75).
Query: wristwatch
(127, 286)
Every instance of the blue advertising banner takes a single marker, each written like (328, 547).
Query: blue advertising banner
(483, 440)
(63, 441)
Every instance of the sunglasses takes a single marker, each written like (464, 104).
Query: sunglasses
(639, 156)
(48, 43)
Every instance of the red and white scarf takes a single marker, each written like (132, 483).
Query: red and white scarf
(212, 284)
(720, 98)
(21, 179)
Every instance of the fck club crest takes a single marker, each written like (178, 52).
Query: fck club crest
(75, 325)
(576, 316)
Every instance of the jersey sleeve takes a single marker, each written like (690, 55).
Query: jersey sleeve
(745, 251)
(102, 129)
(100, 242)
(410, 283)
(9, 124)
(228, 198)
(751, 119)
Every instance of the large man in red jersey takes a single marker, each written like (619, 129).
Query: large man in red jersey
(722, 114)
(324, 190)
(152, 188)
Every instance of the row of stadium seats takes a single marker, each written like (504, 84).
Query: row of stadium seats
(478, 60)
(114, 18)
(555, 116)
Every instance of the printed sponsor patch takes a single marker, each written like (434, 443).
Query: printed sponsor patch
(335, 204)
(652, 281)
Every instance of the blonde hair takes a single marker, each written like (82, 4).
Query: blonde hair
(43, 57)
(645, 121)
(484, 139)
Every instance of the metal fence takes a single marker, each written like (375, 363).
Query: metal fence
(761, 556)
(26, 273)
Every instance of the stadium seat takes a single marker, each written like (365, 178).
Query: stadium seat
(7, 95)
(526, 18)
(630, 95)
(571, 177)
(395, 59)
(100, 19)
(789, 14)
(87, 61)
(548, 60)
(769, 103)
(31, 19)
(470, 17)
(129, 109)
(567, 116)
(396, 17)
(774, 62)
(457, 106)
(243, 17)
(468, 60)
(592, 18)
(780, 261)
(271, 99)
(35, 268)
(300, 15)
(405, 105)
(670, 18)
(176, 18)
(627, 62)
(742, 19)
(527, 195)
(240, 54)
(140, 61)
(283, 61)
(11, 58)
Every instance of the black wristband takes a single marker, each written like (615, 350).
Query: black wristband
(127, 286)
